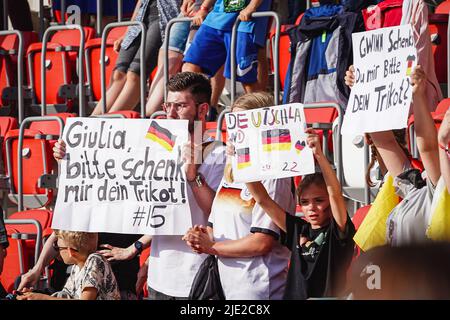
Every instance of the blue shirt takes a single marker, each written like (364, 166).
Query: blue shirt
(221, 20)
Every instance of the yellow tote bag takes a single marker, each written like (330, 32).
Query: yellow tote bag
(372, 232)
(439, 227)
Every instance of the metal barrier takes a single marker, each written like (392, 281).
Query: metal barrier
(20, 103)
(23, 236)
(80, 66)
(20, 146)
(220, 120)
(142, 62)
(276, 62)
(157, 114)
(166, 49)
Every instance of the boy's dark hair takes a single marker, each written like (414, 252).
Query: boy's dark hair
(196, 83)
(308, 180)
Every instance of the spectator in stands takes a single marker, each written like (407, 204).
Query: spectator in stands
(123, 92)
(91, 277)
(125, 271)
(409, 220)
(321, 244)
(252, 263)
(444, 146)
(214, 38)
(180, 38)
(3, 245)
(19, 13)
(413, 272)
(188, 99)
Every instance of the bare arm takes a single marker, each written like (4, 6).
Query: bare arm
(444, 141)
(120, 254)
(246, 13)
(275, 212)
(136, 10)
(337, 203)
(426, 135)
(30, 278)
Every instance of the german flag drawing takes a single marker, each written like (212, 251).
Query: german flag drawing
(276, 139)
(243, 158)
(161, 135)
(299, 146)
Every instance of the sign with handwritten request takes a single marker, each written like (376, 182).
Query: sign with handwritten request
(269, 143)
(381, 96)
(123, 176)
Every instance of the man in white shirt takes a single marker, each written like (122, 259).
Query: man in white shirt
(172, 265)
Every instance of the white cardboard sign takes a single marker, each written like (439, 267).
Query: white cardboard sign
(382, 94)
(270, 143)
(123, 176)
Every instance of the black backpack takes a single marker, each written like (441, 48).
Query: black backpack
(206, 284)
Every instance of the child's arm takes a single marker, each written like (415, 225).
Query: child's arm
(89, 293)
(246, 13)
(444, 141)
(426, 135)
(275, 212)
(337, 203)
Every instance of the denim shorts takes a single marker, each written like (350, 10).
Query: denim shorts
(179, 34)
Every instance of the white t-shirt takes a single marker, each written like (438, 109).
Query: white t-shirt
(235, 215)
(172, 264)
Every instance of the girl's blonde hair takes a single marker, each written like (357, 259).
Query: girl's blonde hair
(248, 101)
(84, 242)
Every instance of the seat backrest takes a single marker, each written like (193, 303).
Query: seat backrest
(6, 124)
(58, 73)
(443, 106)
(93, 49)
(443, 7)
(44, 217)
(72, 37)
(37, 160)
(359, 216)
(116, 33)
(50, 127)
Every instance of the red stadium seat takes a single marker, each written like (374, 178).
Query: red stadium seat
(37, 160)
(93, 66)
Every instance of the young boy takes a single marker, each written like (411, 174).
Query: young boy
(322, 243)
(91, 277)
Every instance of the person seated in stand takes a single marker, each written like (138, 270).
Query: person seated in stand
(252, 263)
(91, 277)
(321, 244)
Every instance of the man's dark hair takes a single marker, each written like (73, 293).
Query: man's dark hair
(196, 83)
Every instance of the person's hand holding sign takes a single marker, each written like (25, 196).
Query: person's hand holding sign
(419, 82)
(350, 76)
(314, 142)
(59, 150)
(191, 156)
